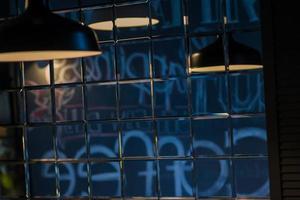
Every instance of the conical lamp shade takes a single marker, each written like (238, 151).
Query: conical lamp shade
(39, 34)
(126, 17)
(211, 58)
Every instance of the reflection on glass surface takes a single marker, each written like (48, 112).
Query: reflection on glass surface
(174, 137)
(12, 181)
(40, 135)
(42, 179)
(101, 68)
(132, 11)
(247, 133)
(213, 178)
(205, 15)
(176, 178)
(106, 179)
(251, 177)
(137, 139)
(209, 94)
(69, 105)
(37, 73)
(133, 60)
(168, 63)
(212, 137)
(134, 121)
(104, 140)
(138, 103)
(140, 179)
(70, 140)
(67, 71)
(171, 98)
(39, 105)
(101, 102)
(168, 16)
(11, 144)
(247, 94)
(73, 179)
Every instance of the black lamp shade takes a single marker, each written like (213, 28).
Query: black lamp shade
(211, 58)
(39, 34)
(126, 17)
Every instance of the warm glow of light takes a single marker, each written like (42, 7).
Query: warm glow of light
(44, 55)
(125, 22)
(221, 68)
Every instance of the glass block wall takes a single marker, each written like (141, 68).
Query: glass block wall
(135, 122)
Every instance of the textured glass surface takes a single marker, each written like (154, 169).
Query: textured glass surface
(104, 140)
(36, 136)
(136, 122)
(101, 101)
(39, 105)
(69, 105)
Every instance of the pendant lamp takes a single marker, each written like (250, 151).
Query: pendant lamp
(211, 58)
(127, 17)
(38, 34)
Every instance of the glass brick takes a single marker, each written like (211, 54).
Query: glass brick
(104, 139)
(37, 136)
(174, 137)
(101, 101)
(171, 98)
(135, 100)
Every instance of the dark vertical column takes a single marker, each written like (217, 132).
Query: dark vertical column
(282, 80)
(4, 8)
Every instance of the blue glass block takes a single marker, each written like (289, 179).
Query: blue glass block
(213, 177)
(37, 136)
(140, 179)
(12, 181)
(63, 4)
(11, 141)
(104, 142)
(92, 17)
(39, 105)
(176, 178)
(209, 94)
(42, 179)
(135, 100)
(211, 137)
(247, 92)
(132, 31)
(73, 180)
(169, 16)
(36, 73)
(199, 43)
(101, 68)
(71, 141)
(137, 139)
(251, 177)
(171, 98)
(205, 16)
(67, 71)
(168, 63)
(243, 14)
(106, 179)
(69, 105)
(133, 60)
(174, 137)
(250, 132)
(101, 106)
